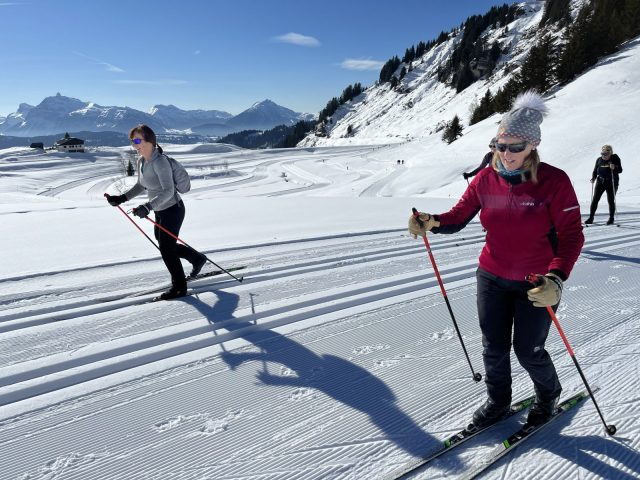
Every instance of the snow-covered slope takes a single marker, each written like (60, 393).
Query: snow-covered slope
(420, 103)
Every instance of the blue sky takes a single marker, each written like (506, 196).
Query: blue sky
(209, 54)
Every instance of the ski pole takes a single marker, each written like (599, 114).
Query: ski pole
(610, 429)
(189, 246)
(615, 193)
(476, 376)
(136, 225)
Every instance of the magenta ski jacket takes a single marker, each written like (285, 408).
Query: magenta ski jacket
(531, 227)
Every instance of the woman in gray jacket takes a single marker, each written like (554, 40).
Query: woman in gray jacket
(156, 177)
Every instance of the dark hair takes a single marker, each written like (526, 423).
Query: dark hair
(146, 133)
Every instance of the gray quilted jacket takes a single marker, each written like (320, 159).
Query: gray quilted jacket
(156, 177)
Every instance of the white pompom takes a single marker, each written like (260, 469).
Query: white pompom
(530, 99)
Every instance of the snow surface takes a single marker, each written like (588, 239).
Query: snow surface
(336, 356)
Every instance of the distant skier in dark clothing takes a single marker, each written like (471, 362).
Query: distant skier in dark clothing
(486, 160)
(605, 175)
(532, 217)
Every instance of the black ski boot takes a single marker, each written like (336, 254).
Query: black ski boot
(489, 413)
(589, 221)
(541, 412)
(197, 266)
(610, 221)
(174, 292)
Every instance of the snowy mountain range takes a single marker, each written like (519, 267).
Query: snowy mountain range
(59, 113)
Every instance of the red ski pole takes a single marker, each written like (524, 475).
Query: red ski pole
(136, 225)
(476, 376)
(610, 429)
(239, 279)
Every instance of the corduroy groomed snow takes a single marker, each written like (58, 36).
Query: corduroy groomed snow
(524, 119)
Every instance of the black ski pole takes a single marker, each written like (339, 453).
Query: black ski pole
(239, 279)
(136, 225)
(476, 376)
(610, 429)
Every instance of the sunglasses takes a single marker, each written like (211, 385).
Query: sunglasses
(512, 147)
(137, 141)
(605, 154)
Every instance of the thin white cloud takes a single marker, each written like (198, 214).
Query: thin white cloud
(298, 39)
(196, 52)
(108, 66)
(162, 82)
(360, 64)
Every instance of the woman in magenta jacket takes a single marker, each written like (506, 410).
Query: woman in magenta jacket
(532, 218)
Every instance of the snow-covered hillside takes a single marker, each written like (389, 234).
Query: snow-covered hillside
(420, 103)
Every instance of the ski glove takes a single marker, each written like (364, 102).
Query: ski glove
(428, 222)
(465, 175)
(115, 200)
(548, 292)
(142, 210)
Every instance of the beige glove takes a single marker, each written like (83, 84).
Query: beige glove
(428, 222)
(548, 293)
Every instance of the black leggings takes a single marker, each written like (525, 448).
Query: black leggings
(601, 187)
(504, 310)
(171, 218)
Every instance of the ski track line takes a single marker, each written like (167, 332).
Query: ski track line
(379, 316)
(168, 465)
(69, 334)
(74, 309)
(68, 309)
(131, 355)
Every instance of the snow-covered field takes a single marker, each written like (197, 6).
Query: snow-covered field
(336, 357)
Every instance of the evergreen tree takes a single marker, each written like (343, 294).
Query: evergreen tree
(484, 109)
(538, 70)
(464, 78)
(409, 55)
(388, 69)
(452, 131)
(556, 11)
(504, 96)
(577, 51)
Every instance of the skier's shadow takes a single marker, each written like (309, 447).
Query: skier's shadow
(589, 448)
(336, 377)
(583, 451)
(586, 450)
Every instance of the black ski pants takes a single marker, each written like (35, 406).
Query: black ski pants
(507, 314)
(171, 218)
(604, 185)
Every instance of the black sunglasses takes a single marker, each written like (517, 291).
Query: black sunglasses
(512, 147)
(137, 141)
